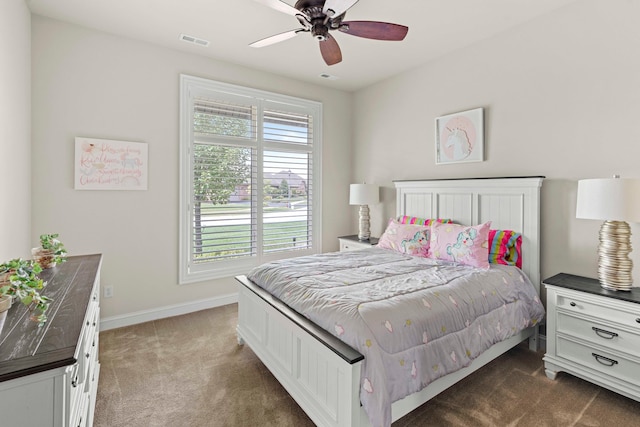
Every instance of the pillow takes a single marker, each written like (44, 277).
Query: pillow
(405, 238)
(460, 243)
(505, 247)
(406, 219)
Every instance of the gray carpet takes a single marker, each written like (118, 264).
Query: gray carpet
(189, 371)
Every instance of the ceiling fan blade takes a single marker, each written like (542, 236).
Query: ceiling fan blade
(374, 30)
(337, 6)
(280, 6)
(277, 38)
(330, 50)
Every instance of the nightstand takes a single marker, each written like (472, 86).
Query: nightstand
(593, 333)
(351, 243)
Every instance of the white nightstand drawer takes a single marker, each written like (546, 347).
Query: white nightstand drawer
(352, 246)
(624, 313)
(600, 334)
(599, 360)
(351, 243)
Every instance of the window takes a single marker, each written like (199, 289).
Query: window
(250, 178)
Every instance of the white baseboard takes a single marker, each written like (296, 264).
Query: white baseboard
(167, 311)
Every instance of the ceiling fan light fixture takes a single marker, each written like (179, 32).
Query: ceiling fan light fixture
(320, 32)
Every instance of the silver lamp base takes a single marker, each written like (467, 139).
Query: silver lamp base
(614, 265)
(363, 231)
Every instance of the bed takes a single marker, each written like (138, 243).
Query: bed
(323, 373)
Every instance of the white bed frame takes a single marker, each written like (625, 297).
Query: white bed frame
(321, 372)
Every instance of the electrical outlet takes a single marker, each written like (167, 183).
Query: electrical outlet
(108, 291)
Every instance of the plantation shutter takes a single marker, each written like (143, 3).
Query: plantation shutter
(223, 173)
(288, 180)
(251, 182)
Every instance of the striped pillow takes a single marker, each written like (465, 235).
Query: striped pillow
(505, 247)
(406, 219)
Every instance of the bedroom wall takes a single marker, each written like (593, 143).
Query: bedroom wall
(561, 96)
(92, 84)
(15, 129)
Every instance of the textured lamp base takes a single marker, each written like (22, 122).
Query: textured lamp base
(364, 232)
(614, 265)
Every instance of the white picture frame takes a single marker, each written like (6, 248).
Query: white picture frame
(460, 137)
(103, 164)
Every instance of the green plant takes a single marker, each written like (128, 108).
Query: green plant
(19, 279)
(50, 243)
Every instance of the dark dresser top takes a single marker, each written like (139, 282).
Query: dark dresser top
(592, 286)
(27, 348)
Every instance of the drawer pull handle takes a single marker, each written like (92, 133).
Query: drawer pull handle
(604, 334)
(87, 355)
(572, 304)
(604, 360)
(74, 383)
(638, 320)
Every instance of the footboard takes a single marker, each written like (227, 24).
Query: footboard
(319, 371)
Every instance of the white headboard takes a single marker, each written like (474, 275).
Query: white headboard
(509, 203)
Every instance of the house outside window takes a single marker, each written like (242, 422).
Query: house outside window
(250, 178)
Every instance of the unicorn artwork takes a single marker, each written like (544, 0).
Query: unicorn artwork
(417, 245)
(462, 247)
(133, 163)
(460, 137)
(458, 140)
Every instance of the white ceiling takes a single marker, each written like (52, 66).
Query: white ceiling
(436, 27)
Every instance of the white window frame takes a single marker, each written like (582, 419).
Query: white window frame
(190, 86)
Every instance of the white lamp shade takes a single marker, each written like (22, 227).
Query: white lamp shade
(363, 194)
(612, 199)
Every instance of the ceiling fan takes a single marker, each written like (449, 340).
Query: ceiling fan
(318, 17)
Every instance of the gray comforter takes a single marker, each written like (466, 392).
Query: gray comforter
(414, 319)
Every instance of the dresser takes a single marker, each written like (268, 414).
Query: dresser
(49, 373)
(593, 333)
(351, 243)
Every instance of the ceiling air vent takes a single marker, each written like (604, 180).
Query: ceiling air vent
(328, 76)
(194, 40)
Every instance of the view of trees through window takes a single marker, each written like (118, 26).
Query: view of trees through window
(225, 168)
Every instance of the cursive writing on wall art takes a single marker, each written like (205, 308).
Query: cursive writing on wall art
(102, 164)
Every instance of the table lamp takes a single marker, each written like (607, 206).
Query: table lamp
(616, 201)
(364, 195)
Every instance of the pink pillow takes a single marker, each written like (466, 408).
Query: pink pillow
(460, 243)
(406, 238)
